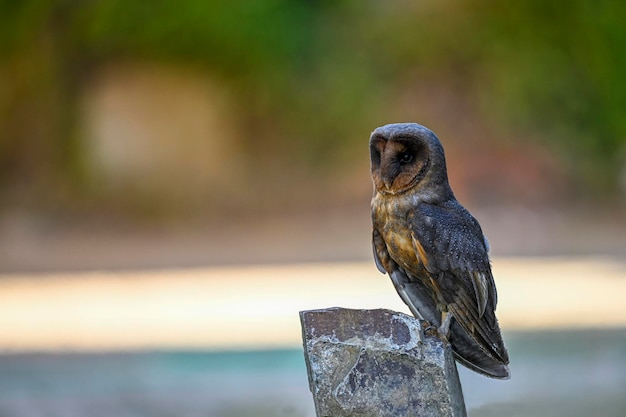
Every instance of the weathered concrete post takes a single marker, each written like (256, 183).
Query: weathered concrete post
(378, 363)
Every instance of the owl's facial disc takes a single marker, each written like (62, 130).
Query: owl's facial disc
(397, 164)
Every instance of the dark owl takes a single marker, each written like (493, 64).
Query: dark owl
(431, 246)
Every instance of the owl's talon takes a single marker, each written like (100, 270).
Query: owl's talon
(429, 329)
(433, 331)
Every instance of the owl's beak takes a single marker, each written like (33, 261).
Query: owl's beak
(388, 174)
(388, 181)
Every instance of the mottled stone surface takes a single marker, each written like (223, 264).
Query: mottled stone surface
(369, 363)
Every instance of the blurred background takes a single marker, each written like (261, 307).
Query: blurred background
(179, 179)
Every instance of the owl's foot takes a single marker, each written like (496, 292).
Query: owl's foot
(428, 328)
(444, 330)
(433, 331)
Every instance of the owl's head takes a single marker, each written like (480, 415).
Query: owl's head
(408, 156)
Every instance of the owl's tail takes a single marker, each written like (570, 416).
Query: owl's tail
(477, 359)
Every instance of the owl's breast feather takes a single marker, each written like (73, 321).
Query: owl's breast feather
(400, 247)
(391, 220)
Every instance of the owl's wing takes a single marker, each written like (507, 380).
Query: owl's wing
(450, 240)
(453, 250)
(381, 256)
(412, 291)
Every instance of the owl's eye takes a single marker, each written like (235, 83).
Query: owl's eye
(405, 158)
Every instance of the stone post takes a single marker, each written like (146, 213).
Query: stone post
(378, 363)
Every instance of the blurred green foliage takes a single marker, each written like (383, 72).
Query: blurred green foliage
(561, 70)
(307, 72)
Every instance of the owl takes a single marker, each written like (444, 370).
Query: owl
(432, 248)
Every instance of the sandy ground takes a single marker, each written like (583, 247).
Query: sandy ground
(257, 306)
